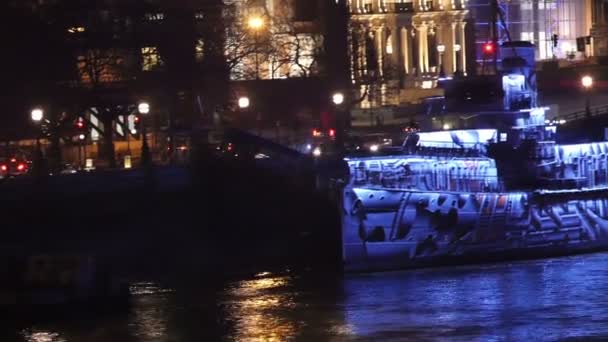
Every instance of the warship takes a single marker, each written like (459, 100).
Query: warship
(487, 180)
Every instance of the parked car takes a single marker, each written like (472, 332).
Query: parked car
(13, 167)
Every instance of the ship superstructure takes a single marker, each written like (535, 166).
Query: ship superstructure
(478, 185)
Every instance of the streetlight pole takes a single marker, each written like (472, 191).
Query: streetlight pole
(338, 100)
(256, 23)
(128, 134)
(144, 108)
(587, 82)
(37, 115)
(441, 50)
(257, 62)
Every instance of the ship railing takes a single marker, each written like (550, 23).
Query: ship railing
(421, 182)
(583, 114)
(447, 152)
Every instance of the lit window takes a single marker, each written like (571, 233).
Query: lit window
(527, 36)
(427, 85)
(200, 50)
(76, 29)
(389, 45)
(154, 16)
(150, 58)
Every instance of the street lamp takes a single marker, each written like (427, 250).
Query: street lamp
(144, 109)
(587, 82)
(256, 24)
(337, 98)
(37, 116)
(441, 50)
(244, 102)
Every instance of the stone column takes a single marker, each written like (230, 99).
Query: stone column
(463, 50)
(380, 49)
(439, 40)
(421, 32)
(453, 41)
(405, 50)
(425, 39)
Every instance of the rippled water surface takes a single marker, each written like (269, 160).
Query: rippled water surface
(544, 300)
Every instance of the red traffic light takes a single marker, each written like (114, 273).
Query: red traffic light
(80, 124)
(488, 48)
(332, 132)
(136, 119)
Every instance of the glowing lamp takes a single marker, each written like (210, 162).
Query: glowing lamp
(587, 81)
(243, 102)
(255, 23)
(488, 48)
(37, 114)
(316, 152)
(143, 108)
(338, 99)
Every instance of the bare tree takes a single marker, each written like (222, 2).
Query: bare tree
(98, 71)
(281, 48)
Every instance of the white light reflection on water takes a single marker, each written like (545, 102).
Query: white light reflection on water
(41, 336)
(147, 288)
(152, 306)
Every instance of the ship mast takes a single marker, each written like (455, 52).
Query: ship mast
(494, 33)
(497, 16)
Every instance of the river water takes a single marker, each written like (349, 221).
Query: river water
(563, 299)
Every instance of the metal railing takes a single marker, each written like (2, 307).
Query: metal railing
(584, 114)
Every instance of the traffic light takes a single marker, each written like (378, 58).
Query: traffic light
(80, 125)
(136, 124)
(488, 48)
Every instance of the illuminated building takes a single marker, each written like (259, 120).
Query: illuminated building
(400, 49)
(599, 30)
(552, 25)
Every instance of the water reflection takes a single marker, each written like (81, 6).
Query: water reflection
(543, 300)
(260, 309)
(151, 310)
(538, 300)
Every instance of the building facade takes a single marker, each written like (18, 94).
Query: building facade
(553, 26)
(599, 29)
(402, 49)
